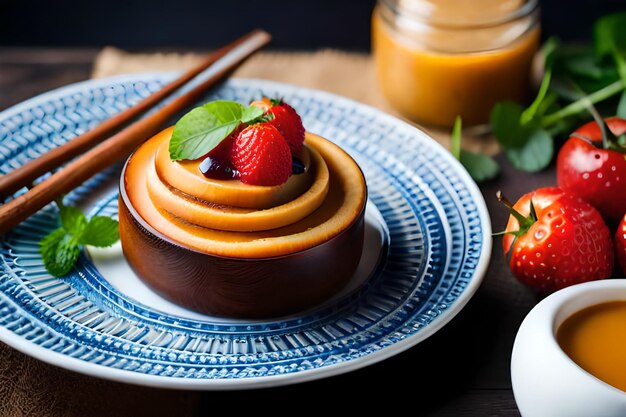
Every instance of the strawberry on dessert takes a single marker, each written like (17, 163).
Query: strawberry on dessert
(221, 152)
(260, 144)
(261, 155)
(286, 120)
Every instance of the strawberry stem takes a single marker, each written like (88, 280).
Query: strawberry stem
(533, 213)
(579, 105)
(609, 139)
(581, 137)
(276, 101)
(524, 222)
(604, 129)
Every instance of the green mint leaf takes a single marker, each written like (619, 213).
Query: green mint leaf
(251, 113)
(610, 40)
(225, 110)
(609, 34)
(480, 167)
(203, 128)
(535, 155)
(548, 52)
(550, 103)
(455, 138)
(507, 126)
(580, 64)
(59, 251)
(72, 219)
(585, 66)
(621, 107)
(101, 231)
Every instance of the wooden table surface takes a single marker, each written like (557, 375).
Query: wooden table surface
(462, 370)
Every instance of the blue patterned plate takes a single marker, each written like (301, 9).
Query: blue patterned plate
(428, 242)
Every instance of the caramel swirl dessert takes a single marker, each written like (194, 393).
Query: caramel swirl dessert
(267, 222)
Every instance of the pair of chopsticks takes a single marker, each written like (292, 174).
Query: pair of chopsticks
(119, 145)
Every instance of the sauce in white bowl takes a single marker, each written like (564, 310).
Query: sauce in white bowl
(546, 381)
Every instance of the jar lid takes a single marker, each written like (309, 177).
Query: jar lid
(459, 26)
(462, 13)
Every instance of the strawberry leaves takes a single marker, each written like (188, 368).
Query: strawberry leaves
(575, 78)
(526, 143)
(203, 128)
(480, 167)
(610, 40)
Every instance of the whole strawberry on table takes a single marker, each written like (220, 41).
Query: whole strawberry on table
(555, 239)
(593, 165)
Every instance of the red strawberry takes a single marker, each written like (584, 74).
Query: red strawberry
(620, 244)
(286, 120)
(261, 155)
(588, 169)
(555, 239)
(222, 151)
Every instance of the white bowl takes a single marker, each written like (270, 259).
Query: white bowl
(547, 382)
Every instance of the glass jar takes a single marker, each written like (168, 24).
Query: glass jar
(436, 59)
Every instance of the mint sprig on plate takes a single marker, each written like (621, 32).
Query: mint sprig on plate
(60, 248)
(203, 128)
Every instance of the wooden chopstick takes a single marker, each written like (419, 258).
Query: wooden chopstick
(24, 175)
(120, 145)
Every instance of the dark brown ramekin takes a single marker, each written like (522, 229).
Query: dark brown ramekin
(238, 287)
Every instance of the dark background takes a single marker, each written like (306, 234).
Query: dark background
(204, 24)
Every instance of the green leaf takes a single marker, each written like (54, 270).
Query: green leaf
(203, 128)
(455, 138)
(251, 113)
(101, 231)
(548, 49)
(609, 34)
(59, 251)
(72, 219)
(507, 127)
(535, 155)
(621, 107)
(587, 66)
(480, 167)
(583, 103)
(610, 40)
(580, 64)
(549, 103)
